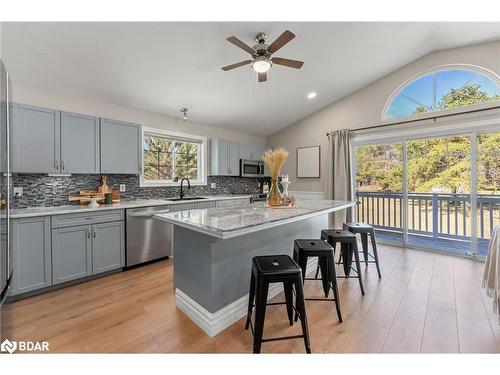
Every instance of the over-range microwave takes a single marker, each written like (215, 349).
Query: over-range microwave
(251, 168)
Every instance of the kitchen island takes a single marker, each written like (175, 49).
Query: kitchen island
(213, 249)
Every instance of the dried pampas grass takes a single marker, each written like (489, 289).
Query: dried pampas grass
(275, 159)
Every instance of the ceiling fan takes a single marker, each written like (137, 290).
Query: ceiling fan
(261, 54)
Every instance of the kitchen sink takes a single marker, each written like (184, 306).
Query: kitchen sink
(185, 199)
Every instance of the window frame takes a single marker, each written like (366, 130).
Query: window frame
(473, 68)
(176, 137)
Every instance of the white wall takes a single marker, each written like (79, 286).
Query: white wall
(25, 94)
(364, 108)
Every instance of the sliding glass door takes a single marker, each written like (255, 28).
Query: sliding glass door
(439, 192)
(379, 188)
(488, 188)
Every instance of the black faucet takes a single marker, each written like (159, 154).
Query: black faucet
(189, 187)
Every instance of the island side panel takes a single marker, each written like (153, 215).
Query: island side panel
(192, 264)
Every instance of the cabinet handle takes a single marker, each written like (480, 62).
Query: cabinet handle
(62, 165)
(57, 165)
(93, 232)
(88, 233)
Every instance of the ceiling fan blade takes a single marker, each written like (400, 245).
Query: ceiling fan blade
(281, 41)
(243, 46)
(262, 77)
(287, 62)
(237, 65)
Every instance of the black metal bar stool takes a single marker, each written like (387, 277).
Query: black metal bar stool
(365, 230)
(348, 248)
(269, 269)
(302, 250)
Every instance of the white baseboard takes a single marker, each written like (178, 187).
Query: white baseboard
(214, 323)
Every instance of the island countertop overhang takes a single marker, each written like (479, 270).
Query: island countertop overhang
(229, 222)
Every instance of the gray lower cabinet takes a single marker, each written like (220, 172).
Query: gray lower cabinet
(35, 139)
(201, 205)
(182, 207)
(233, 202)
(108, 246)
(84, 250)
(79, 143)
(120, 147)
(31, 252)
(71, 253)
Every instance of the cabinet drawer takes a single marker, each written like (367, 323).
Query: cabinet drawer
(201, 205)
(70, 220)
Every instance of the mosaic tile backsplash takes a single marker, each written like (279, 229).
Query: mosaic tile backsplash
(45, 190)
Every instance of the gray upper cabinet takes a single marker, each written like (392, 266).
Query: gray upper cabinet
(250, 152)
(224, 158)
(79, 143)
(71, 253)
(234, 159)
(31, 252)
(35, 137)
(246, 152)
(120, 147)
(108, 246)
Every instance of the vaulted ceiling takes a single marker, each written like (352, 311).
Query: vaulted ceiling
(162, 67)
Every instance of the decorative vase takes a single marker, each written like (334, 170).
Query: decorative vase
(274, 197)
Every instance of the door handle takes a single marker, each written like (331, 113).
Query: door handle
(88, 233)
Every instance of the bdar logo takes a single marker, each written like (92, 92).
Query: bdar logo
(8, 346)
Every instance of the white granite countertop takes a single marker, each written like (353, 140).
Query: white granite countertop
(76, 208)
(228, 222)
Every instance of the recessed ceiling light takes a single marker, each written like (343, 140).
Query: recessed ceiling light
(311, 95)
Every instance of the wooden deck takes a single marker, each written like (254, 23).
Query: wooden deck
(424, 303)
(447, 245)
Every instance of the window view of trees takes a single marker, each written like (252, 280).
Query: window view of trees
(379, 167)
(170, 160)
(186, 160)
(438, 164)
(443, 89)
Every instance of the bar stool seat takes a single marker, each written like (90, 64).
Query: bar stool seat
(305, 248)
(366, 230)
(348, 248)
(269, 269)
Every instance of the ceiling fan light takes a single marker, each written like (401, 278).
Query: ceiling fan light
(261, 66)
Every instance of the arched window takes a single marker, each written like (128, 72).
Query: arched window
(445, 87)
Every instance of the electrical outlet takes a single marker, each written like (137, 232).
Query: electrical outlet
(18, 191)
(122, 188)
(213, 185)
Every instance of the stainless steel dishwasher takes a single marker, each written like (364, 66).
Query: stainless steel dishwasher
(147, 238)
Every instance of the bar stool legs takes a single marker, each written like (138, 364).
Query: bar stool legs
(348, 248)
(375, 253)
(366, 230)
(303, 249)
(358, 267)
(275, 269)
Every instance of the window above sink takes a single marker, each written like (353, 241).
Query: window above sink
(168, 157)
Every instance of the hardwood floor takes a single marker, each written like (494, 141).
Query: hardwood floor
(425, 302)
